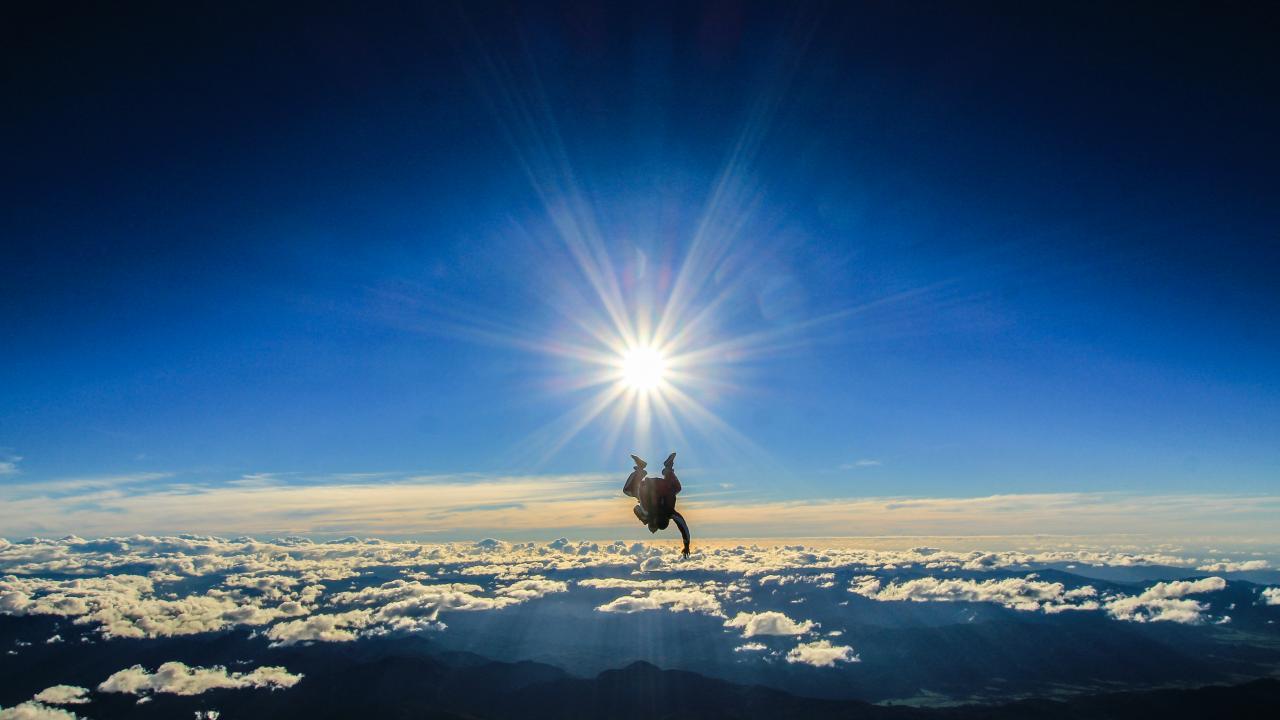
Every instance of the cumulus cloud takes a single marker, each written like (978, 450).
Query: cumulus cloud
(628, 583)
(1271, 596)
(180, 679)
(274, 581)
(36, 711)
(686, 599)
(262, 569)
(288, 589)
(1027, 594)
(822, 580)
(1228, 566)
(1166, 602)
(671, 594)
(62, 695)
(821, 653)
(250, 614)
(1163, 602)
(532, 588)
(272, 586)
(410, 605)
(768, 623)
(128, 606)
(332, 627)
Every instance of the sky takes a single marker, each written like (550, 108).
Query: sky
(369, 269)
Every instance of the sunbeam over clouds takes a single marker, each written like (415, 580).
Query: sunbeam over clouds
(705, 359)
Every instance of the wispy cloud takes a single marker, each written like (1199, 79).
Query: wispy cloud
(1167, 516)
(9, 464)
(589, 505)
(861, 463)
(79, 487)
(259, 504)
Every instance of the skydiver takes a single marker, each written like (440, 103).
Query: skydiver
(657, 496)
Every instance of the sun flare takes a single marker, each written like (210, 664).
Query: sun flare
(643, 368)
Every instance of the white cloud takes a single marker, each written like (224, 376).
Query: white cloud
(62, 695)
(751, 647)
(532, 588)
(768, 623)
(180, 679)
(1027, 594)
(254, 615)
(676, 600)
(404, 505)
(336, 627)
(629, 584)
(861, 463)
(1166, 602)
(272, 586)
(453, 595)
(1271, 596)
(269, 583)
(9, 464)
(821, 653)
(1228, 566)
(822, 580)
(36, 711)
(401, 505)
(137, 586)
(407, 606)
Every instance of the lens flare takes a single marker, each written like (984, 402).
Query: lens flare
(658, 301)
(643, 368)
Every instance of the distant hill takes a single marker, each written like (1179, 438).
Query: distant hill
(384, 684)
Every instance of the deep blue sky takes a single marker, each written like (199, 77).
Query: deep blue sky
(229, 234)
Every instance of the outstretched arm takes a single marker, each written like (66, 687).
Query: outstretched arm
(684, 529)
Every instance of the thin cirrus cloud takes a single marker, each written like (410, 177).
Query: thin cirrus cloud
(589, 505)
(9, 464)
(861, 463)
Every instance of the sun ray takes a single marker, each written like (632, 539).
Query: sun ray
(650, 348)
(579, 418)
(672, 425)
(717, 430)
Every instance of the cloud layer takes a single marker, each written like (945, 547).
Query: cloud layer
(409, 506)
(177, 678)
(795, 608)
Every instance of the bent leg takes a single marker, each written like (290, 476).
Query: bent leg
(684, 529)
(641, 515)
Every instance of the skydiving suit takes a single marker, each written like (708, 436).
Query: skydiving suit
(657, 496)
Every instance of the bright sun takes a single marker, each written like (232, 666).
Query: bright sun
(643, 368)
